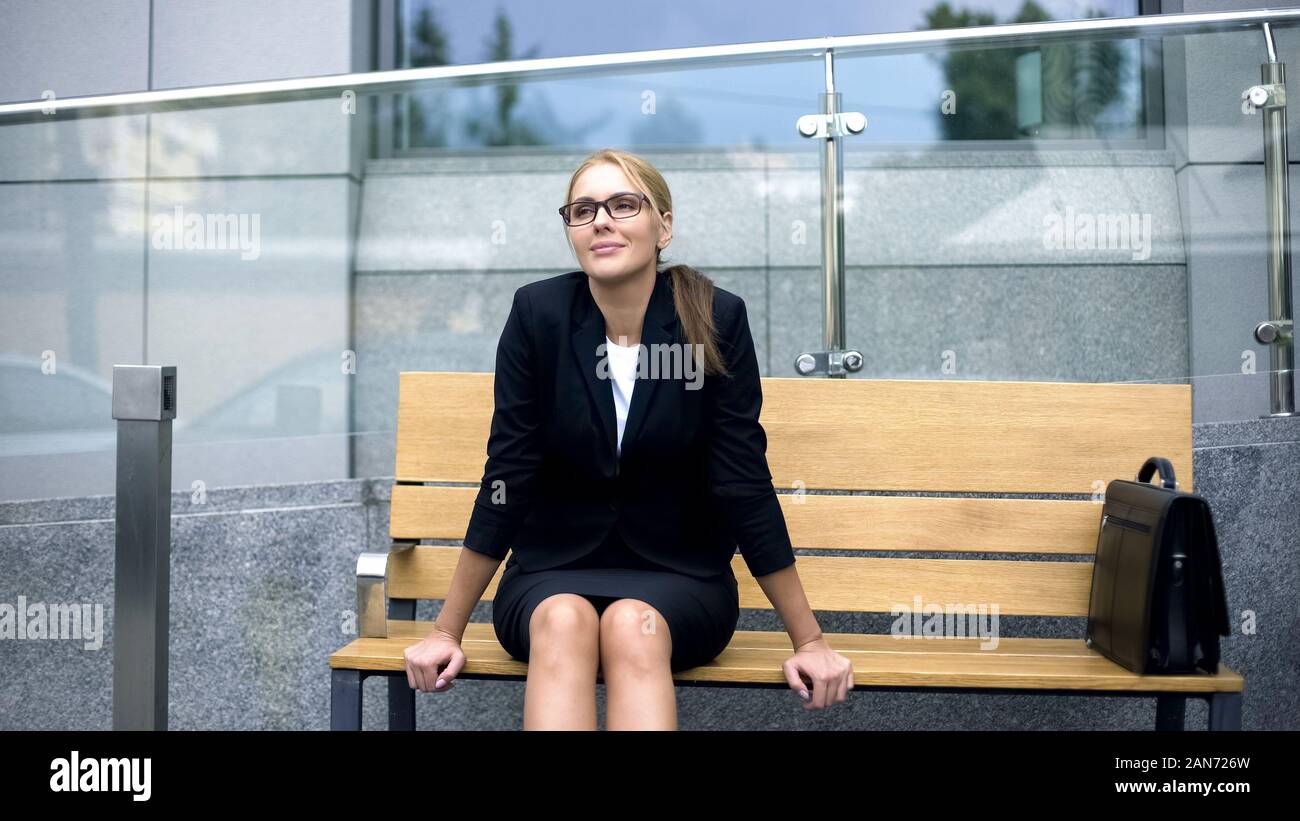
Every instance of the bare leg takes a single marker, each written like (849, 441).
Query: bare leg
(563, 655)
(635, 659)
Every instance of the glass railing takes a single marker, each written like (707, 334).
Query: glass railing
(1059, 201)
(1094, 88)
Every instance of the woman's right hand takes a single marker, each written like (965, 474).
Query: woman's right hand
(433, 664)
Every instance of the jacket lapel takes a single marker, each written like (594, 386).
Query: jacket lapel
(659, 316)
(586, 338)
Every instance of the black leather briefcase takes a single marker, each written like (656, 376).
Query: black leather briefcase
(1157, 603)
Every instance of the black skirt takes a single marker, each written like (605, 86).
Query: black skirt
(701, 613)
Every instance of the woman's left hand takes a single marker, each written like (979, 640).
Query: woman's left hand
(819, 675)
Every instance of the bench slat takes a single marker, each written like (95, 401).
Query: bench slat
(482, 631)
(846, 584)
(896, 523)
(875, 434)
(878, 660)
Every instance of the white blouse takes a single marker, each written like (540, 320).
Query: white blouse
(622, 367)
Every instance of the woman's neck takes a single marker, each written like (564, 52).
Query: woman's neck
(624, 305)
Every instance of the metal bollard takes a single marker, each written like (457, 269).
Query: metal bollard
(144, 405)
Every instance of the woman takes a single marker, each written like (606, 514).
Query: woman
(625, 464)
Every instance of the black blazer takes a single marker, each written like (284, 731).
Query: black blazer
(692, 481)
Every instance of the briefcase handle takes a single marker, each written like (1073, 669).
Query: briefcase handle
(1166, 469)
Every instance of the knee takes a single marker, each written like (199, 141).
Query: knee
(564, 621)
(633, 632)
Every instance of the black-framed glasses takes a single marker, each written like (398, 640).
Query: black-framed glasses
(621, 206)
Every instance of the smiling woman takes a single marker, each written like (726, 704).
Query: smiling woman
(621, 493)
(618, 212)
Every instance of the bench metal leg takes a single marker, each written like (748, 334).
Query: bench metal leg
(401, 696)
(401, 704)
(345, 699)
(1170, 712)
(1225, 711)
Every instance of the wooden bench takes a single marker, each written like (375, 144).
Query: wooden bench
(962, 437)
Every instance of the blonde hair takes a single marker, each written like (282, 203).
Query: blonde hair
(692, 290)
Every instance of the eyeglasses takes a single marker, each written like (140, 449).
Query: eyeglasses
(621, 206)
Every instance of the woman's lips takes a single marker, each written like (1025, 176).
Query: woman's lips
(607, 250)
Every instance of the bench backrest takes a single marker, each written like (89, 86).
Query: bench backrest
(882, 437)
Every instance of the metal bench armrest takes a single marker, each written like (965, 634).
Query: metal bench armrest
(372, 592)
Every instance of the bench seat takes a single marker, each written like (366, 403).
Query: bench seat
(959, 495)
(755, 657)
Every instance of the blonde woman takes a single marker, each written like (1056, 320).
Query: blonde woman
(625, 465)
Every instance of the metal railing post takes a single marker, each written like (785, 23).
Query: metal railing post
(144, 405)
(1278, 331)
(831, 127)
